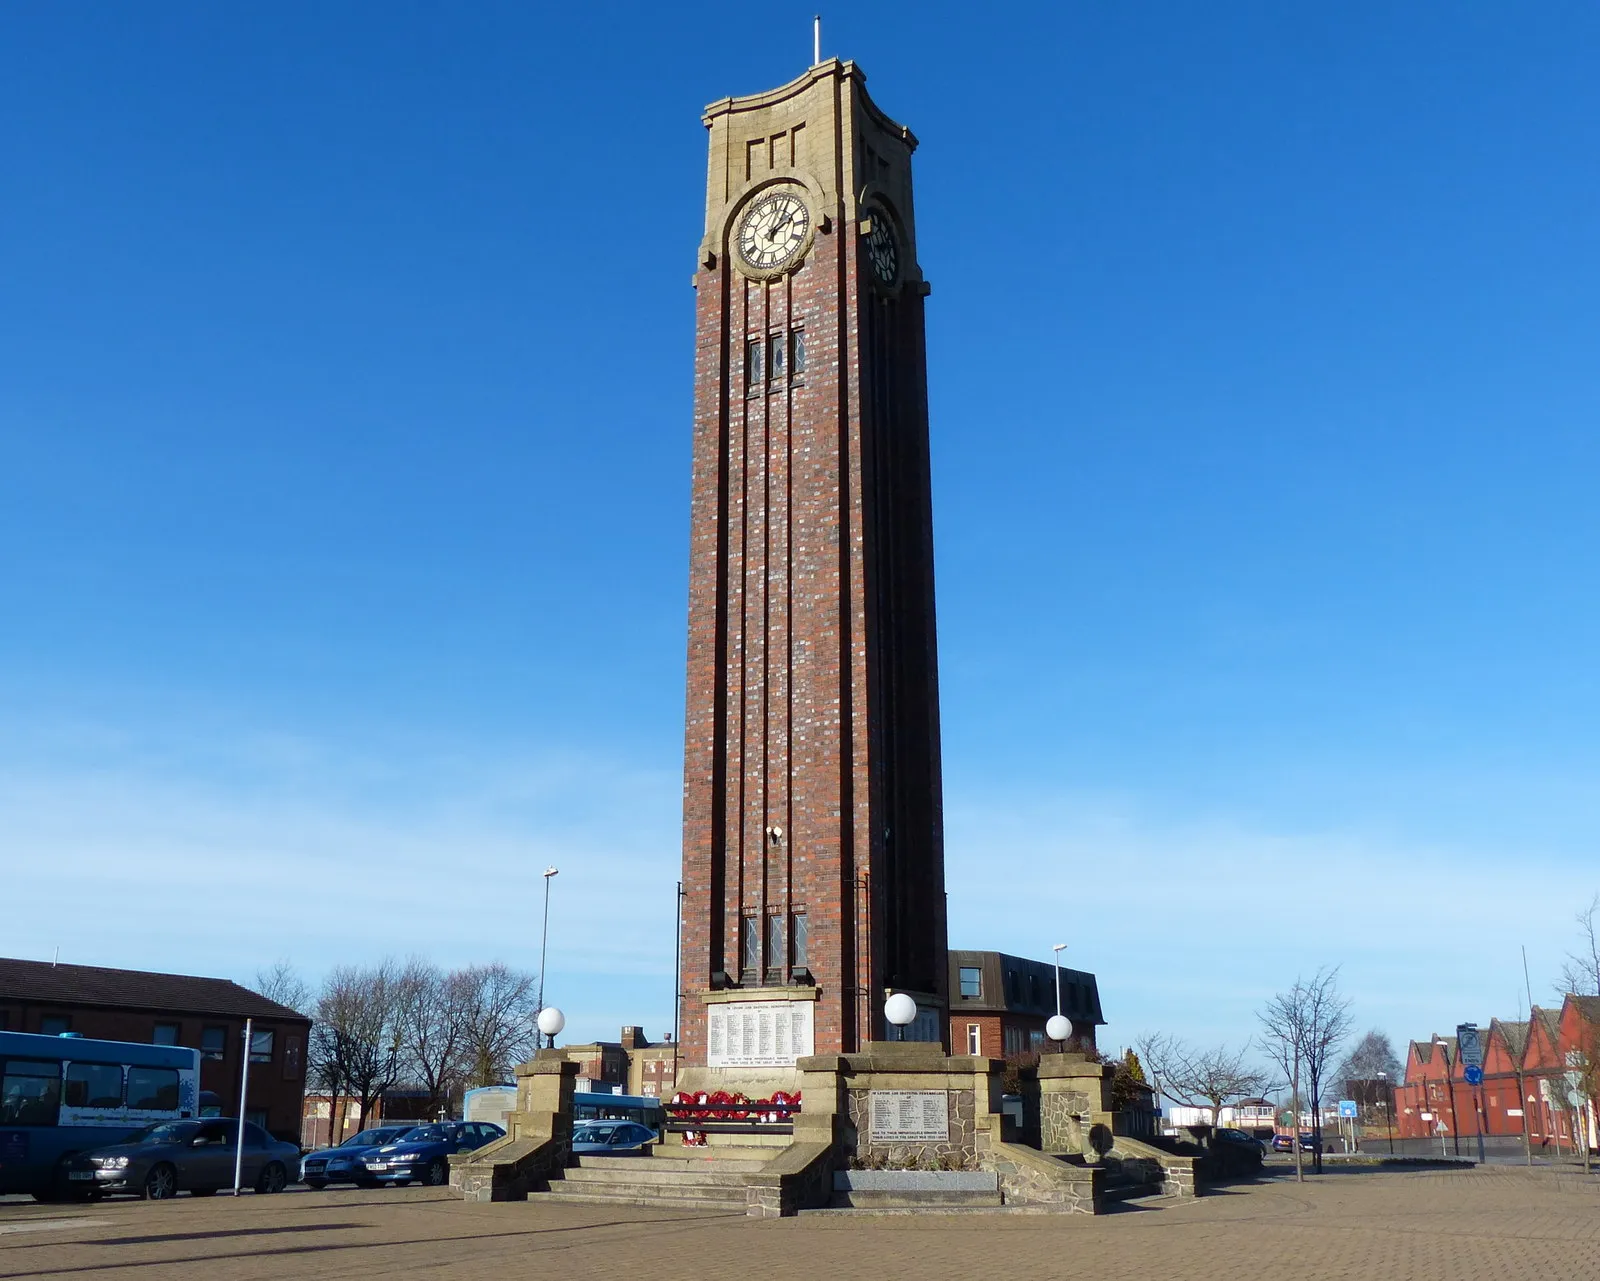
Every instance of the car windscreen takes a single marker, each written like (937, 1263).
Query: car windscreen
(166, 1132)
(375, 1138)
(593, 1133)
(428, 1134)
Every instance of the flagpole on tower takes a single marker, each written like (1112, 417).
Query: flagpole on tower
(816, 39)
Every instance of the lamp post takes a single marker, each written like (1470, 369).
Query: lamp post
(544, 937)
(1388, 1109)
(901, 1011)
(1058, 1027)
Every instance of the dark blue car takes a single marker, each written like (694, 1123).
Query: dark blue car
(424, 1154)
(341, 1164)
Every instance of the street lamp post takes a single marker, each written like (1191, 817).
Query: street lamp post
(1059, 1027)
(550, 874)
(1388, 1109)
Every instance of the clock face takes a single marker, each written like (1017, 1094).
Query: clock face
(881, 250)
(773, 231)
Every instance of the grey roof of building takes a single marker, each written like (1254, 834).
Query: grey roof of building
(1550, 1020)
(1515, 1035)
(1588, 1006)
(67, 985)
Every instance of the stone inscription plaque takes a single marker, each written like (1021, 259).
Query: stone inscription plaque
(908, 1116)
(758, 1033)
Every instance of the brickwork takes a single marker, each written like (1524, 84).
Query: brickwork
(811, 750)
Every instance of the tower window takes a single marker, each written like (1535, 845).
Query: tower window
(774, 943)
(769, 361)
(799, 941)
(971, 982)
(749, 947)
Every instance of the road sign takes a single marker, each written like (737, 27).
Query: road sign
(1347, 1109)
(1474, 1075)
(1468, 1048)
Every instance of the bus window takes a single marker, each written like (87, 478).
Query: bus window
(155, 1088)
(30, 1092)
(94, 1085)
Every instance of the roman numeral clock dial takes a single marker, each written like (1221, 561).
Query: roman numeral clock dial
(773, 232)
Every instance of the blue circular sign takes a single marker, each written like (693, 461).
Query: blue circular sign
(1474, 1075)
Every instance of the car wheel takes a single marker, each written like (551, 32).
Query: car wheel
(437, 1174)
(273, 1179)
(161, 1184)
(316, 1185)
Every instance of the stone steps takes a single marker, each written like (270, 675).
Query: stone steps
(642, 1176)
(747, 1161)
(913, 1199)
(885, 1211)
(711, 1183)
(559, 1195)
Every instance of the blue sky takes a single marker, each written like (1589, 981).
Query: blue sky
(344, 408)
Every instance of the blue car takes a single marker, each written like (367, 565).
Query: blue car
(424, 1154)
(339, 1165)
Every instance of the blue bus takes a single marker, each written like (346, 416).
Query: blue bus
(619, 1107)
(60, 1095)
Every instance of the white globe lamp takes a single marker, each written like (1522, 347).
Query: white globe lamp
(901, 1011)
(551, 1021)
(1058, 1027)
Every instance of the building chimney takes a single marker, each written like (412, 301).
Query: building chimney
(633, 1038)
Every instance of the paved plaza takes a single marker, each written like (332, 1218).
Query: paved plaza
(1455, 1225)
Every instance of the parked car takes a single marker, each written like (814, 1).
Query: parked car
(1235, 1152)
(424, 1153)
(186, 1156)
(612, 1138)
(339, 1164)
(1283, 1143)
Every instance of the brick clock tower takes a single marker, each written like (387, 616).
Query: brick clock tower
(813, 845)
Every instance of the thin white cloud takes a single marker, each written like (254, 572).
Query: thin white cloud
(294, 850)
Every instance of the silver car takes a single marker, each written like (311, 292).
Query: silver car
(185, 1156)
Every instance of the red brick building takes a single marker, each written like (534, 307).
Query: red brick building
(813, 855)
(172, 1009)
(999, 1003)
(1533, 1077)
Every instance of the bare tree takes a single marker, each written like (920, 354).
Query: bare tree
(499, 1019)
(1367, 1072)
(1372, 1057)
(1198, 1077)
(360, 1014)
(435, 1010)
(1580, 974)
(282, 983)
(1304, 1026)
(1582, 1081)
(1283, 1021)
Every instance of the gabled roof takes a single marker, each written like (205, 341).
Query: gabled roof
(1549, 1020)
(1515, 1036)
(68, 985)
(1588, 1006)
